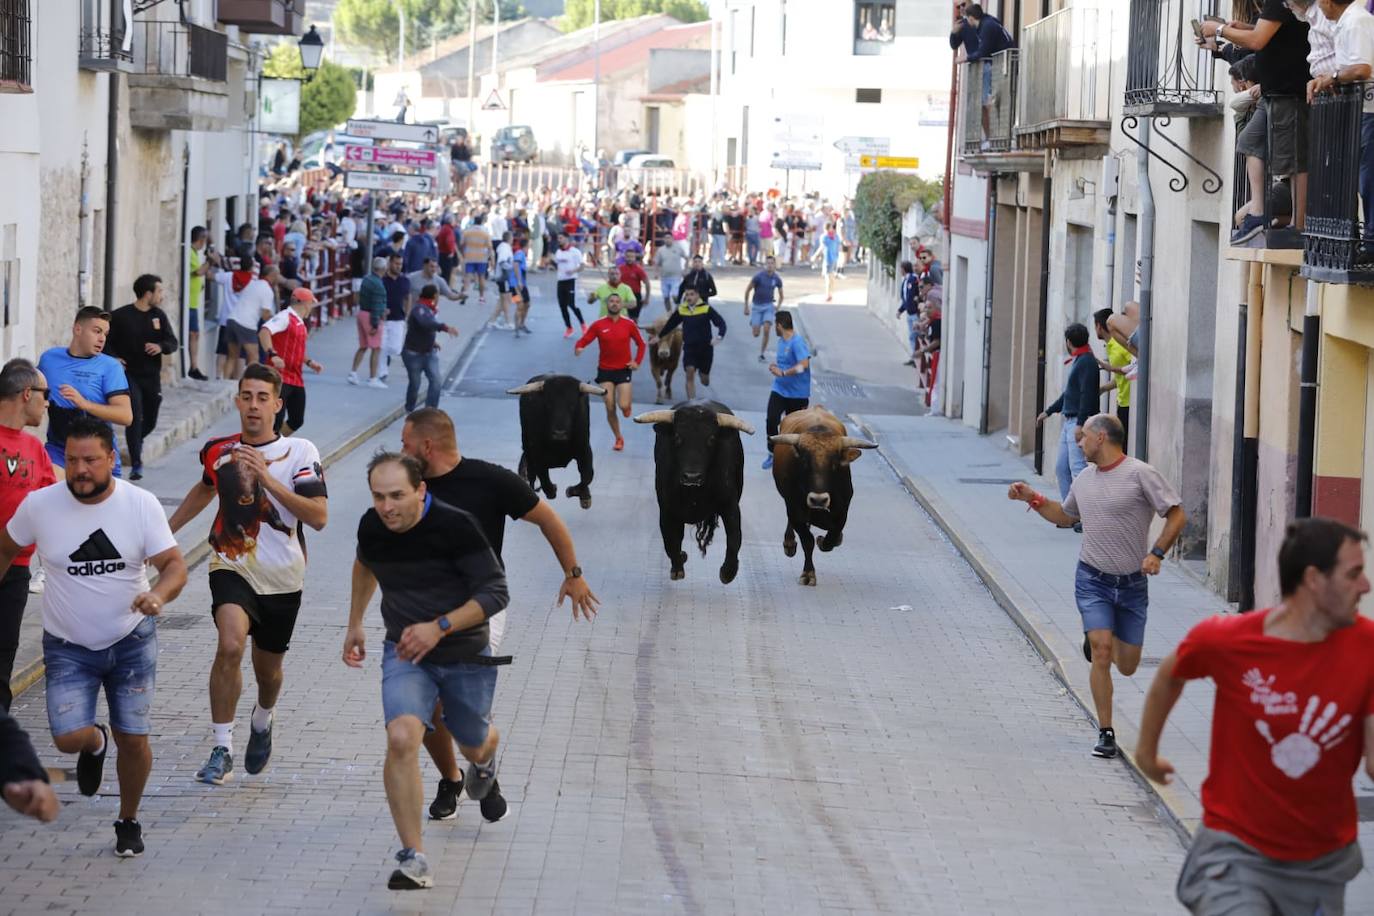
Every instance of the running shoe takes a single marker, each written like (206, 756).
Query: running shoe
(128, 838)
(445, 804)
(90, 768)
(1106, 743)
(259, 749)
(38, 581)
(768, 462)
(494, 806)
(619, 444)
(376, 383)
(198, 375)
(412, 872)
(584, 327)
(353, 378)
(219, 769)
(762, 358)
(568, 333)
(480, 780)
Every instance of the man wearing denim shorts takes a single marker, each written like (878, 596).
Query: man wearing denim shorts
(93, 534)
(441, 582)
(1116, 498)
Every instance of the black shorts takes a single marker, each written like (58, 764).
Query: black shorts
(272, 618)
(699, 357)
(618, 376)
(292, 407)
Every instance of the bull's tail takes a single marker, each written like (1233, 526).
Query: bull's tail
(705, 532)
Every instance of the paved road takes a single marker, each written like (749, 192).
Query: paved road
(885, 742)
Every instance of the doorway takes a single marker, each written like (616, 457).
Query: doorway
(1197, 394)
(652, 121)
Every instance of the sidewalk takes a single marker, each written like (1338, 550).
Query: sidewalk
(338, 418)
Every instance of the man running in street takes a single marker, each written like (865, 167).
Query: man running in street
(614, 366)
(399, 295)
(699, 279)
(633, 275)
(698, 344)
(1116, 497)
(84, 380)
(95, 536)
(568, 261)
(441, 582)
(791, 373)
(1293, 715)
(140, 334)
(765, 292)
(611, 287)
(269, 486)
(23, 397)
(670, 259)
(492, 494)
(283, 338)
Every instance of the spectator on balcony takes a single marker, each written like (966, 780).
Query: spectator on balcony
(1247, 91)
(1321, 38)
(993, 39)
(1354, 54)
(1277, 134)
(963, 37)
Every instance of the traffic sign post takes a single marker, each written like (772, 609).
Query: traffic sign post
(359, 180)
(889, 162)
(493, 102)
(390, 155)
(391, 130)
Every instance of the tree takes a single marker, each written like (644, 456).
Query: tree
(879, 202)
(327, 99)
(375, 25)
(580, 13)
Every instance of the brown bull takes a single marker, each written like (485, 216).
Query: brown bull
(664, 357)
(811, 456)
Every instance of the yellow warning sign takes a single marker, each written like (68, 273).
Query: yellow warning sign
(889, 162)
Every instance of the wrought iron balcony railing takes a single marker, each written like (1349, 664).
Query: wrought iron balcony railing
(987, 92)
(1334, 245)
(1166, 72)
(107, 39)
(1064, 93)
(180, 49)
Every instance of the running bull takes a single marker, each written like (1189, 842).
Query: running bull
(554, 431)
(699, 477)
(664, 357)
(811, 456)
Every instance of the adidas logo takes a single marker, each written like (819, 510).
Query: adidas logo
(96, 556)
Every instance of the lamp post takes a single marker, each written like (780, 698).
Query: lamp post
(312, 49)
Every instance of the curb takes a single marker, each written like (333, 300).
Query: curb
(31, 673)
(1178, 805)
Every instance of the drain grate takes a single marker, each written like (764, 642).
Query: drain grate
(178, 621)
(839, 388)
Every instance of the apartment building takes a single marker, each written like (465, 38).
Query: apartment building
(126, 125)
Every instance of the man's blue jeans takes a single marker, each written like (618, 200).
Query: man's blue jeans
(1071, 460)
(421, 365)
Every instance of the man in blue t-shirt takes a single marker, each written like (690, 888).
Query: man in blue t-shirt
(764, 294)
(791, 379)
(82, 380)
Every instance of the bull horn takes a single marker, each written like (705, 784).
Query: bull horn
(730, 421)
(785, 439)
(853, 442)
(527, 388)
(589, 388)
(655, 416)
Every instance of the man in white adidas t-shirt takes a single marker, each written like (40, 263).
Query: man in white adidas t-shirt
(95, 535)
(266, 485)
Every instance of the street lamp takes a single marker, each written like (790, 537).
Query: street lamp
(312, 49)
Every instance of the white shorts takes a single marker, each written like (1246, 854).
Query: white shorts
(393, 337)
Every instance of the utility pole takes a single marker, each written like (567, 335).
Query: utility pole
(596, 85)
(401, 40)
(472, 71)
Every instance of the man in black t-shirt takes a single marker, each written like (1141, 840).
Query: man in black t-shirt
(1277, 134)
(491, 494)
(441, 584)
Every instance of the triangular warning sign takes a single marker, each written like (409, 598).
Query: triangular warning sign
(493, 102)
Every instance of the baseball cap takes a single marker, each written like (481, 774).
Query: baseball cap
(301, 294)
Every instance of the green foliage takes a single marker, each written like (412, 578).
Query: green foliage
(579, 13)
(375, 25)
(328, 99)
(879, 202)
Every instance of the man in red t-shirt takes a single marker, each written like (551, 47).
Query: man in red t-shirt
(283, 343)
(27, 467)
(613, 334)
(1293, 715)
(633, 275)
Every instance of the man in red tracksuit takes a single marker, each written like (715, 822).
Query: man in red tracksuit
(614, 333)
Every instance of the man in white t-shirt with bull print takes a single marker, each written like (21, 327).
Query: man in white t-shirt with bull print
(1116, 497)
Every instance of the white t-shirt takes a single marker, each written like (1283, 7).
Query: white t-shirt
(247, 306)
(95, 556)
(498, 225)
(569, 262)
(504, 255)
(1355, 41)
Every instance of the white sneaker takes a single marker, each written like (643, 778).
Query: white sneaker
(376, 383)
(353, 378)
(38, 581)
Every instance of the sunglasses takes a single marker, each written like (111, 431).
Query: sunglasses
(43, 391)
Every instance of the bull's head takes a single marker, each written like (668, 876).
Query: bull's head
(819, 456)
(665, 344)
(694, 430)
(557, 397)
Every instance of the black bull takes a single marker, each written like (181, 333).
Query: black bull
(555, 432)
(699, 478)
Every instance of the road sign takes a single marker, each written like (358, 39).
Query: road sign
(390, 155)
(798, 163)
(889, 162)
(493, 102)
(390, 130)
(877, 146)
(798, 142)
(357, 179)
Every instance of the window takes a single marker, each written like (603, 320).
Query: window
(14, 46)
(875, 26)
(868, 96)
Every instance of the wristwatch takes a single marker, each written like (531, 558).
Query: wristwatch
(575, 572)
(1155, 551)
(444, 624)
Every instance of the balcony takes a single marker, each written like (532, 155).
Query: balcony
(1167, 75)
(178, 78)
(1064, 88)
(988, 119)
(1332, 233)
(107, 38)
(264, 17)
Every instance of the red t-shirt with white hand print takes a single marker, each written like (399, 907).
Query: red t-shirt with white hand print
(1287, 732)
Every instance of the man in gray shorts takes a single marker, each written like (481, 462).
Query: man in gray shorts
(1293, 716)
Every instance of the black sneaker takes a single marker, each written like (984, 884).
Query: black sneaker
(90, 768)
(259, 749)
(1087, 649)
(445, 804)
(198, 375)
(128, 838)
(494, 806)
(480, 779)
(136, 474)
(1106, 743)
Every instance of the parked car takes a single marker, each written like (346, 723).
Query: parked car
(514, 143)
(649, 170)
(622, 157)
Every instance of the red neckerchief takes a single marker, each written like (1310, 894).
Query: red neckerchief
(1079, 351)
(241, 278)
